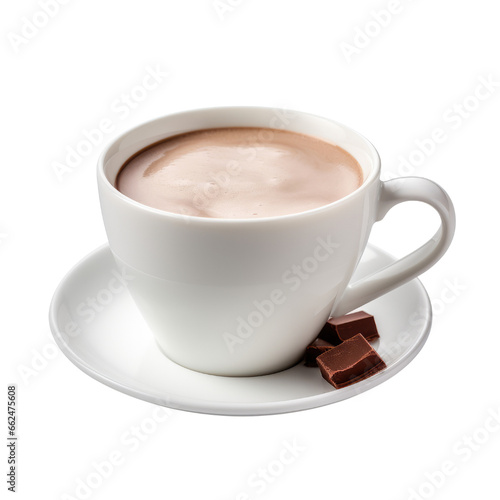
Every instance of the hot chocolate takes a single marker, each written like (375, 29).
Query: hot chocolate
(239, 173)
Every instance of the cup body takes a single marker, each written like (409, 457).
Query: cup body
(237, 297)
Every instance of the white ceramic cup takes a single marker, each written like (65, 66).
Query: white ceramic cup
(245, 297)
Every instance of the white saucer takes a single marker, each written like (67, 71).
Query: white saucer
(99, 329)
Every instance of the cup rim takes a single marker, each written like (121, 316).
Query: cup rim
(370, 179)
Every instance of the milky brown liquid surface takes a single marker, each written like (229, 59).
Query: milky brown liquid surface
(239, 173)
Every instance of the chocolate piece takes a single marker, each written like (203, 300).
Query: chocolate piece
(350, 362)
(314, 350)
(337, 330)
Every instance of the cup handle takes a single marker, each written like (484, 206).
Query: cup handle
(405, 269)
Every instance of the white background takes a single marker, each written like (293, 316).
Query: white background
(396, 90)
